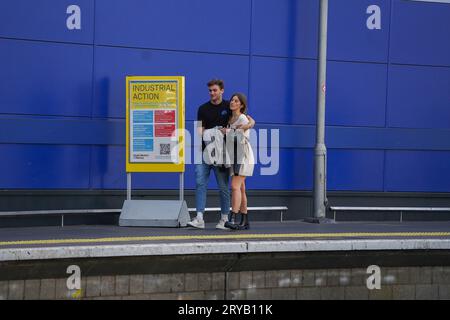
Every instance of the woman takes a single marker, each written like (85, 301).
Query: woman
(242, 162)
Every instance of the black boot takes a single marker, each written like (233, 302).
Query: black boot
(231, 220)
(244, 224)
(232, 217)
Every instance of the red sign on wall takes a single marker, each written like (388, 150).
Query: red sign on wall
(165, 116)
(164, 130)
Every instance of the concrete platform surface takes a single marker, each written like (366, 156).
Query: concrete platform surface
(258, 230)
(291, 236)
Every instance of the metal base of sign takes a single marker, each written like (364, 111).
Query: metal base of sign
(154, 213)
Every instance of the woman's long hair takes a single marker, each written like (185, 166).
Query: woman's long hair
(243, 99)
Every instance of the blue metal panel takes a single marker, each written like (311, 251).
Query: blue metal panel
(356, 94)
(46, 20)
(419, 97)
(283, 90)
(111, 132)
(61, 130)
(420, 33)
(108, 172)
(286, 28)
(417, 171)
(358, 170)
(44, 167)
(51, 81)
(349, 38)
(114, 64)
(195, 25)
(45, 78)
(387, 138)
(295, 172)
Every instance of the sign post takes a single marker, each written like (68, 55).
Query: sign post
(154, 143)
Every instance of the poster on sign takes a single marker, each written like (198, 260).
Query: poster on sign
(155, 123)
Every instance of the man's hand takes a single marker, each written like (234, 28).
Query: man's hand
(200, 131)
(247, 126)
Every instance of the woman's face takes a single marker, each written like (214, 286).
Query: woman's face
(235, 103)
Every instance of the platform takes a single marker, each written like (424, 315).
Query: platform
(272, 260)
(96, 241)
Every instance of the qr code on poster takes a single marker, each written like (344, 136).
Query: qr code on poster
(164, 149)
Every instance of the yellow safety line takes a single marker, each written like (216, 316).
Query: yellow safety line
(224, 237)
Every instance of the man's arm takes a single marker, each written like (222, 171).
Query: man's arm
(200, 129)
(249, 125)
(200, 126)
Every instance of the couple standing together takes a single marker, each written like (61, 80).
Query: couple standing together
(230, 117)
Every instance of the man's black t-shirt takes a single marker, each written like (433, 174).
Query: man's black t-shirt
(212, 115)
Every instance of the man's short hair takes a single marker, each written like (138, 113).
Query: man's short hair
(218, 82)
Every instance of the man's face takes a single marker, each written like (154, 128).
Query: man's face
(215, 93)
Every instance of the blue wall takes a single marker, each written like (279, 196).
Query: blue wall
(388, 91)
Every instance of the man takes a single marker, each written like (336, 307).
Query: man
(214, 113)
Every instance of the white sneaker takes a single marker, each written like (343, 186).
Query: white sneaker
(196, 223)
(221, 225)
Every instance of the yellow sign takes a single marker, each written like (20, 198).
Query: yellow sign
(155, 94)
(155, 124)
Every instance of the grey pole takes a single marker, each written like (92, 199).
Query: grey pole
(320, 150)
(181, 186)
(128, 185)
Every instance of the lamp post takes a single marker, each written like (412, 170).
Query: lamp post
(320, 150)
